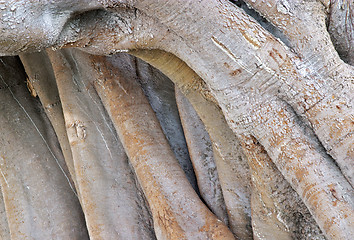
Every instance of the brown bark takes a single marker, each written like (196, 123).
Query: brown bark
(112, 209)
(160, 92)
(231, 164)
(238, 101)
(171, 198)
(328, 81)
(296, 100)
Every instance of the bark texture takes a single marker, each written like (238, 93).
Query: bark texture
(112, 209)
(39, 199)
(201, 152)
(256, 142)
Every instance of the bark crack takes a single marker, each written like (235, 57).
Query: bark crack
(262, 21)
(223, 48)
(311, 134)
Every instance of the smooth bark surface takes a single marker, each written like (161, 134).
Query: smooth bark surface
(42, 81)
(35, 184)
(4, 225)
(161, 95)
(112, 209)
(163, 181)
(201, 152)
(230, 161)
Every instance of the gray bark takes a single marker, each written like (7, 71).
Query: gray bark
(292, 95)
(202, 156)
(161, 95)
(39, 199)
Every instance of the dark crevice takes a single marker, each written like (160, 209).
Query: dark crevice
(11, 86)
(142, 203)
(340, 26)
(295, 213)
(312, 136)
(164, 105)
(80, 25)
(262, 21)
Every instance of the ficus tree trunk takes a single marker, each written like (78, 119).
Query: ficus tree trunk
(149, 119)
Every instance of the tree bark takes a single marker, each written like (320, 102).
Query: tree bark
(201, 152)
(288, 101)
(231, 163)
(164, 183)
(112, 210)
(39, 199)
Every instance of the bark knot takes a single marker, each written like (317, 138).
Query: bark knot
(80, 129)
